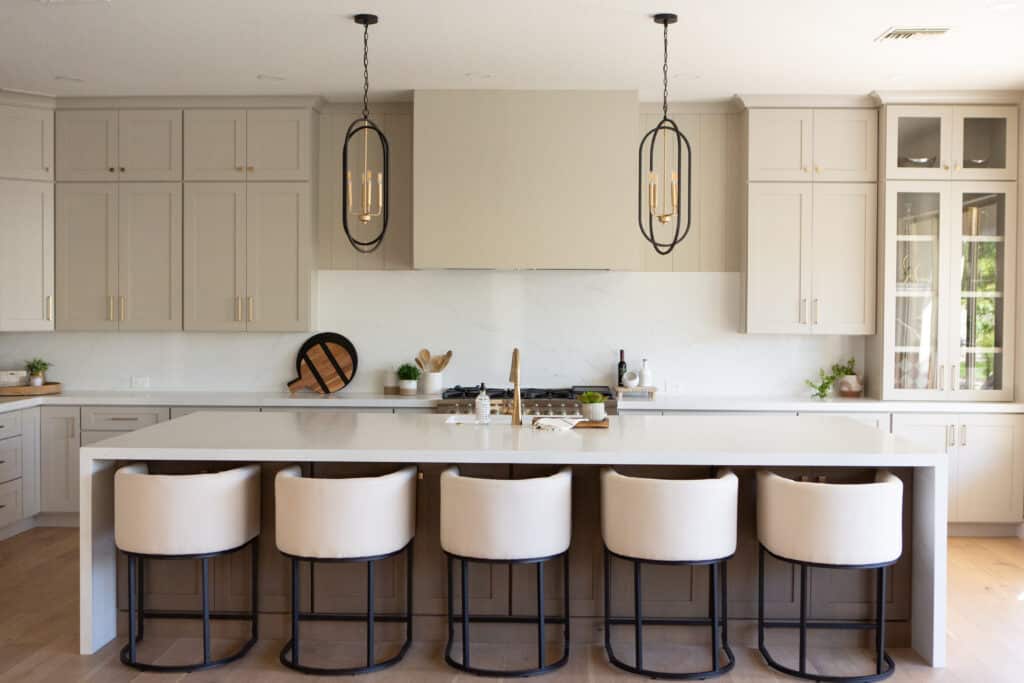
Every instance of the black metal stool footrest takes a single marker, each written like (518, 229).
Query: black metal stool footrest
(464, 619)
(884, 665)
(717, 620)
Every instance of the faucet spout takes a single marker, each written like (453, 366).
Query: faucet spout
(517, 400)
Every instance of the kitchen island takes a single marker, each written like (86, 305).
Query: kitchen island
(829, 447)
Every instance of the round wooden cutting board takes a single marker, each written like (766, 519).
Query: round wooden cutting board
(326, 363)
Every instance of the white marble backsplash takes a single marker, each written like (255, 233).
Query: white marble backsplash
(568, 326)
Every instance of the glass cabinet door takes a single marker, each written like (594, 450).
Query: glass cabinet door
(918, 286)
(982, 286)
(985, 143)
(918, 142)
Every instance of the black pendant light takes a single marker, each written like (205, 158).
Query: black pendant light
(664, 209)
(367, 209)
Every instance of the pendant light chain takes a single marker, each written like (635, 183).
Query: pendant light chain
(664, 73)
(366, 72)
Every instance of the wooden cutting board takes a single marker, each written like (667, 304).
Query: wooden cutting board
(326, 363)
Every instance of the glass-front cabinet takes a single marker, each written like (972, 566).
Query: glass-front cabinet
(934, 142)
(949, 280)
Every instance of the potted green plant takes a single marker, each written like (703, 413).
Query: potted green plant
(592, 406)
(407, 376)
(37, 368)
(842, 375)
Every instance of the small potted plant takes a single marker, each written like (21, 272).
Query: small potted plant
(592, 406)
(408, 374)
(37, 368)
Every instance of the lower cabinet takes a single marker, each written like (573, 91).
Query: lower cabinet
(986, 461)
(59, 438)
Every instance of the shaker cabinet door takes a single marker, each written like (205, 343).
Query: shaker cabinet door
(149, 144)
(780, 144)
(846, 145)
(277, 144)
(149, 256)
(214, 257)
(86, 145)
(215, 144)
(86, 256)
(26, 256)
(843, 248)
(990, 469)
(59, 441)
(778, 258)
(26, 143)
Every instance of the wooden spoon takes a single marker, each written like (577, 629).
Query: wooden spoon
(445, 359)
(423, 360)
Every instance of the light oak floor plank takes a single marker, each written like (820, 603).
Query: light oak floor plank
(39, 632)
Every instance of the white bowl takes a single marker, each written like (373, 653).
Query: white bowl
(630, 380)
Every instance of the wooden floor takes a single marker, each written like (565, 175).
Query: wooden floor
(39, 630)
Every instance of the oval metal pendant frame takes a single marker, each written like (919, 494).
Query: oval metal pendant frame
(666, 127)
(356, 127)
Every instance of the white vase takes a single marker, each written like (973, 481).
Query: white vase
(407, 387)
(431, 383)
(36, 380)
(594, 412)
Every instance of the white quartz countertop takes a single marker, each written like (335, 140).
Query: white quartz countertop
(663, 402)
(739, 440)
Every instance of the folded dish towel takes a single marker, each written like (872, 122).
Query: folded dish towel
(556, 424)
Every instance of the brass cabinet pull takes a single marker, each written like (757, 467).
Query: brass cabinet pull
(250, 302)
(951, 436)
(49, 307)
(956, 166)
(123, 419)
(814, 311)
(110, 307)
(945, 167)
(963, 435)
(238, 309)
(124, 308)
(817, 169)
(803, 311)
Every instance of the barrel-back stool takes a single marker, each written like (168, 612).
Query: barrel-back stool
(356, 519)
(684, 522)
(838, 526)
(185, 517)
(506, 521)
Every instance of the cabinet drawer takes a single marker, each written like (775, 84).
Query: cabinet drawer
(10, 459)
(121, 419)
(10, 425)
(10, 502)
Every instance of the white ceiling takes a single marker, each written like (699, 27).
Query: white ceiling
(718, 48)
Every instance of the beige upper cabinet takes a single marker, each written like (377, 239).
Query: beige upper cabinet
(86, 145)
(26, 143)
(86, 256)
(214, 144)
(26, 256)
(935, 142)
(248, 256)
(778, 265)
(118, 256)
(278, 257)
(780, 144)
(258, 144)
(846, 145)
(119, 145)
(843, 258)
(214, 262)
(835, 145)
(149, 256)
(810, 258)
(149, 144)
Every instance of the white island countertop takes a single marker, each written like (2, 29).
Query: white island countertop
(757, 440)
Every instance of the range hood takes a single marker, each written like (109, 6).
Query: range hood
(508, 179)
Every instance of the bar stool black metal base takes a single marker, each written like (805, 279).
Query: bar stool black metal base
(717, 620)
(137, 611)
(290, 652)
(884, 666)
(541, 620)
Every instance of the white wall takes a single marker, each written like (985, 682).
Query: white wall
(568, 325)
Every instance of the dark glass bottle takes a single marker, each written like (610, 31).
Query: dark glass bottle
(622, 365)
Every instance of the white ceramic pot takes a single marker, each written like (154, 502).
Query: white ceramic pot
(407, 387)
(849, 386)
(431, 383)
(37, 380)
(594, 412)
(390, 382)
(631, 379)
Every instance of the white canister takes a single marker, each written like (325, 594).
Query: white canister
(431, 383)
(390, 381)
(646, 375)
(407, 387)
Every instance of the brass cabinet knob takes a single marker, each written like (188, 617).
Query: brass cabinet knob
(251, 168)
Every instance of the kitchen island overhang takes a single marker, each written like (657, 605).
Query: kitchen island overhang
(685, 440)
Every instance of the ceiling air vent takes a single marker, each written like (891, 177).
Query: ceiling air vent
(902, 33)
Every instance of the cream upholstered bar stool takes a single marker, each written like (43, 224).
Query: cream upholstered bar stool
(682, 522)
(506, 521)
(355, 519)
(838, 526)
(185, 517)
